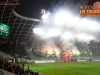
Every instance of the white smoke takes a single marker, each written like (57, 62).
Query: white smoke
(63, 21)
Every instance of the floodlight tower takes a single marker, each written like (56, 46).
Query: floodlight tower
(44, 15)
(43, 11)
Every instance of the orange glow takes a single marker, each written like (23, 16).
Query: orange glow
(51, 49)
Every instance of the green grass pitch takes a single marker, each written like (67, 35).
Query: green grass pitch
(67, 68)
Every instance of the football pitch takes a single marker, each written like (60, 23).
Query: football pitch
(67, 68)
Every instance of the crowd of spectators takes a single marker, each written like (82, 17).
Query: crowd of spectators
(15, 68)
(17, 51)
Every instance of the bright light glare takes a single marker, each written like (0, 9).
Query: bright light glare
(44, 16)
(91, 38)
(53, 32)
(62, 17)
(50, 51)
(84, 37)
(81, 36)
(75, 52)
(67, 36)
(38, 31)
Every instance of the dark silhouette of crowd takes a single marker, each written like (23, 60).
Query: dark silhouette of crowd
(15, 68)
(15, 51)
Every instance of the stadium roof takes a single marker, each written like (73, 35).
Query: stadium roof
(22, 18)
(21, 26)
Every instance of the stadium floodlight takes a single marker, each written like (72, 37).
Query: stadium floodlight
(38, 31)
(44, 16)
(43, 11)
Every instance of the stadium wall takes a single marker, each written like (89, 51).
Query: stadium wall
(55, 61)
(63, 60)
(44, 61)
(40, 61)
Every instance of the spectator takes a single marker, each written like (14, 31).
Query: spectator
(15, 68)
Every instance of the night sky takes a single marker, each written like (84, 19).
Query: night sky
(32, 8)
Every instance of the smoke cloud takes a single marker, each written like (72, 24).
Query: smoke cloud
(63, 21)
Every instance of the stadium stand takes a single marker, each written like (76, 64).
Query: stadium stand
(4, 55)
(10, 60)
(20, 50)
(94, 47)
(14, 68)
(1, 73)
